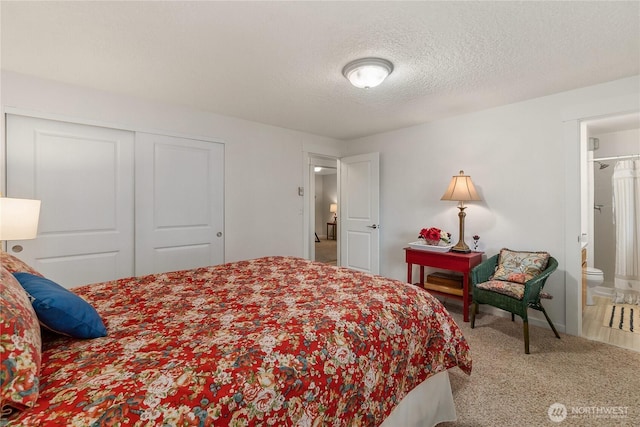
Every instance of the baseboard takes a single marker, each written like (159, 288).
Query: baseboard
(534, 320)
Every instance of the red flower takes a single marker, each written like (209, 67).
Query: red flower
(432, 233)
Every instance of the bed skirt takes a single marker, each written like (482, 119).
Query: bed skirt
(426, 405)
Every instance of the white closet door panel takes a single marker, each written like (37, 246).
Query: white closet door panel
(179, 203)
(84, 177)
(75, 270)
(182, 257)
(66, 168)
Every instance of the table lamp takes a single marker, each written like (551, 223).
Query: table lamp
(461, 189)
(333, 208)
(18, 218)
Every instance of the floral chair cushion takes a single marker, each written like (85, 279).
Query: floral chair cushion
(520, 266)
(15, 265)
(512, 289)
(21, 345)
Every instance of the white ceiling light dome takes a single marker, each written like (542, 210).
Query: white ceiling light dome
(366, 73)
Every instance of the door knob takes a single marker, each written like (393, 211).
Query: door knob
(374, 226)
(17, 248)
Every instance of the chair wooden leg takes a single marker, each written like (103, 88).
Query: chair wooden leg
(474, 310)
(549, 320)
(525, 324)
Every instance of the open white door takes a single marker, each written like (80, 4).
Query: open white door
(359, 178)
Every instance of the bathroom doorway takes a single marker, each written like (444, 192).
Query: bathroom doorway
(610, 140)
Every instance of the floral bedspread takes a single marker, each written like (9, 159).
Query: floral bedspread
(275, 341)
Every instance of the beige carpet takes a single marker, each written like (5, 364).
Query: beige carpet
(510, 388)
(625, 317)
(326, 251)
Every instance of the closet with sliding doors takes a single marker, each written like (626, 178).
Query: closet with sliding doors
(115, 203)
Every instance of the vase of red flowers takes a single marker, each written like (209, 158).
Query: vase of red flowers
(433, 236)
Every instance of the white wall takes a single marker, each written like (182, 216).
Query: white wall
(329, 196)
(515, 155)
(319, 201)
(263, 211)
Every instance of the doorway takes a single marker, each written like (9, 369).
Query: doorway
(610, 140)
(356, 222)
(323, 210)
(576, 231)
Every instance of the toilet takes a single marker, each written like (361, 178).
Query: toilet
(595, 277)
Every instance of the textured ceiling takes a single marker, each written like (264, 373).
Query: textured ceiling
(280, 63)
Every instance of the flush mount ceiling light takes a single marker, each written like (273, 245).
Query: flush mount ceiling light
(366, 73)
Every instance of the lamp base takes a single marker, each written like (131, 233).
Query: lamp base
(461, 247)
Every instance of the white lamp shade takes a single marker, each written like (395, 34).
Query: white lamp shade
(461, 189)
(18, 218)
(333, 208)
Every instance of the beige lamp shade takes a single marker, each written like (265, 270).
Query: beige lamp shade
(461, 189)
(333, 208)
(18, 218)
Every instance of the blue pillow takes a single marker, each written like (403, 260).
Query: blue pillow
(61, 310)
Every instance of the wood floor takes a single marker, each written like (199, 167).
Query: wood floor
(593, 329)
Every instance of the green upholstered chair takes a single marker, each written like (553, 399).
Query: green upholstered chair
(509, 301)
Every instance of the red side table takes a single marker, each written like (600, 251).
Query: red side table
(452, 261)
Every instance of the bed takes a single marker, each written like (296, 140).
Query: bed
(274, 341)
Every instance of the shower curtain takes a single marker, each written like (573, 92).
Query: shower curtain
(626, 214)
